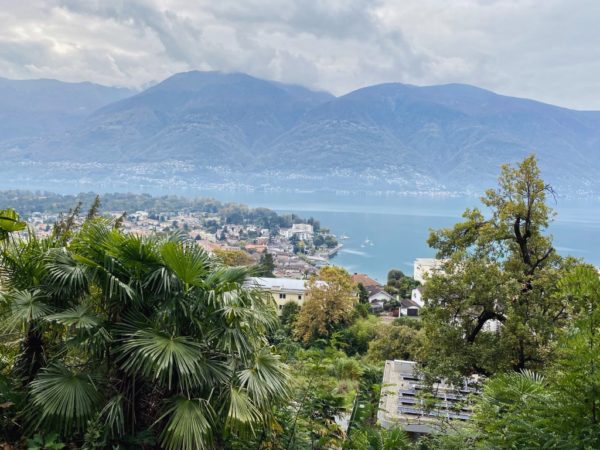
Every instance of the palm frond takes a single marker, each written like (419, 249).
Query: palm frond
(113, 416)
(66, 399)
(242, 415)
(25, 307)
(79, 318)
(189, 262)
(189, 426)
(166, 358)
(65, 274)
(267, 380)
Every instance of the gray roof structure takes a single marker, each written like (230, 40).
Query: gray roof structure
(402, 401)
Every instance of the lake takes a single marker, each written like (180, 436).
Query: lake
(397, 227)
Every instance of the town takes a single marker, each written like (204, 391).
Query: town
(296, 251)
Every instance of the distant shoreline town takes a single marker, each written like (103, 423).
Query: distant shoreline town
(298, 246)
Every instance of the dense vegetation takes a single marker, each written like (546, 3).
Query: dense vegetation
(115, 341)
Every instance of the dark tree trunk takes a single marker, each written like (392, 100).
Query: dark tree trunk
(31, 357)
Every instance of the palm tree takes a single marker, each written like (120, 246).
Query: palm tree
(145, 333)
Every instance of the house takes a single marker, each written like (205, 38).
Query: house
(409, 308)
(377, 298)
(424, 267)
(416, 296)
(366, 281)
(401, 403)
(283, 290)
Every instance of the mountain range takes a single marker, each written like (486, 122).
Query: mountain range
(232, 129)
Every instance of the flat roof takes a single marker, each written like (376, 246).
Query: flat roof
(401, 402)
(291, 284)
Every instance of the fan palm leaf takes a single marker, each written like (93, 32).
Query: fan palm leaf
(267, 380)
(78, 318)
(187, 261)
(168, 359)
(242, 414)
(189, 425)
(64, 274)
(25, 307)
(66, 399)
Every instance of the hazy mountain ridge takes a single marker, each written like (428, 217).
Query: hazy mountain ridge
(390, 136)
(32, 109)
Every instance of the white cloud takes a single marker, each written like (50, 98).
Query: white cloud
(540, 49)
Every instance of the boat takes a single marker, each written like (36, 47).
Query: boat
(343, 237)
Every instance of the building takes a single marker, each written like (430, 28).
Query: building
(302, 231)
(283, 290)
(416, 296)
(366, 281)
(409, 308)
(424, 267)
(377, 298)
(402, 404)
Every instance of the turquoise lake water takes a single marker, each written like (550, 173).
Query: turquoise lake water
(398, 227)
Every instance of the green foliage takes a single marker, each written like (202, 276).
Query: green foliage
(400, 284)
(10, 223)
(395, 342)
(495, 304)
(115, 335)
(289, 313)
(329, 305)
(49, 442)
(266, 266)
(63, 400)
(556, 410)
(363, 294)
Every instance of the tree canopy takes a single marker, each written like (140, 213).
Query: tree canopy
(495, 304)
(146, 339)
(329, 304)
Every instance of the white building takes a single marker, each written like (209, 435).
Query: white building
(377, 298)
(303, 231)
(423, 267)
(416, 296)
(283, 290)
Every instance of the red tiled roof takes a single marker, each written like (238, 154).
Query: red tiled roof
(365, 280)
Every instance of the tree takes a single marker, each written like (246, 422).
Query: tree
(395, 342)
(400, 284)
(495, 305)
(329, 304)
(234, 257)
(289, 313)
(94, 208)
(133, 334)
(363, 294)
(557, 408)
(267, 265)
(576, 371)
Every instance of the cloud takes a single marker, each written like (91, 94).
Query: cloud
(545, 50)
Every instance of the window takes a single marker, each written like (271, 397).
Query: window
(282, 296)
(299, 297)
(280, 307)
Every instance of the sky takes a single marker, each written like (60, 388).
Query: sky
(547, 50)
